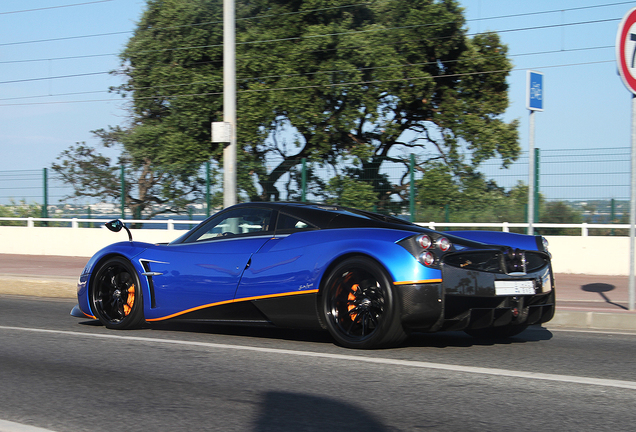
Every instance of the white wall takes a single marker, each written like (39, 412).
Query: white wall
(583, 255)
(590, 255)
(82, 242)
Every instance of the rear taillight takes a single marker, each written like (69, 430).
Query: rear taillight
(443, 244)
(433, 249)
(427, 258)
(424, 241)
(427, 248)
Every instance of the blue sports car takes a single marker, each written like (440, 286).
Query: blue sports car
(368, 279)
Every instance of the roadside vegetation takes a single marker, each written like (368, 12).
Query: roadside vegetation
(19, 210)
(324, 81)
(331, 83)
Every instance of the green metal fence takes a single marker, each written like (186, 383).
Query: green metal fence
(592, 182)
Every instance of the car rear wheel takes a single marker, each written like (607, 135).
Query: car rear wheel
(359, 305)
(116, 295)
(497, 332)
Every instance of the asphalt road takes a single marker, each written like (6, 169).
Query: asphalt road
(65, 374)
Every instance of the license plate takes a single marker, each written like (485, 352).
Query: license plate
(514, 287)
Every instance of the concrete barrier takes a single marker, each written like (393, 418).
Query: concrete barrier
(570, 254)
(590, 255)
(83, 242)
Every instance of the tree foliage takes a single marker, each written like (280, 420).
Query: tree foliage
(559, 212)
(348, 192)
(470, 198)
(323, 80)
(19, 210)
(376, 80)
(148, 189)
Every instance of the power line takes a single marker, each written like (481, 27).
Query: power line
(416, 79)
(55, 77)
(541, 27)
(401, 65)
(173, 27)
(551, 11)
(54, 7)
(308, 11)
(219, 45)
(54, 95)
(77, 57)
(458, 75)
(304, 37)
(333, 34)
(64, 38)
(245, 79)
(311, 36)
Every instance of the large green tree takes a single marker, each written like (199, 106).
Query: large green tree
(378, 80)
(324, 80)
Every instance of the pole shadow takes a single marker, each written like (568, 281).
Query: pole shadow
(601, 289)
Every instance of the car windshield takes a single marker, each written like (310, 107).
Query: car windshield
(236, 222)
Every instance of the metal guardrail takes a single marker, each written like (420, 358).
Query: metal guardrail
(505, 226)
(75, 222)
(170, 224)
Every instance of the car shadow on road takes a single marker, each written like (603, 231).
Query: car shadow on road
(439, 340)
(301, 335)
(601, 289)
(459, 339)
(435, 340)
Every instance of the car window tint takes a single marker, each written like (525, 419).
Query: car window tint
(290, 223)
(237, 222)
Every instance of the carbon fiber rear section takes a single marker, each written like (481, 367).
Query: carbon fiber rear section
(468, 299)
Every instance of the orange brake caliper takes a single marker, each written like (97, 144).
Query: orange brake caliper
(130, 300)
(351, 300)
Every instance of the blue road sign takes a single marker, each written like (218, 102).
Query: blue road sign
(534, 91)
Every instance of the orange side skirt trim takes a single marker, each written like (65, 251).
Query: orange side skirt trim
(232, 301)
(417, 282)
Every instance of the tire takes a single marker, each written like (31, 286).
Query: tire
(115, 295)
(359, 306)
(502, 332)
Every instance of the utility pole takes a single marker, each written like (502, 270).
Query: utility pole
(229, 102)
(632, 214)
(625, 55)
(531, 173)
(534, 102)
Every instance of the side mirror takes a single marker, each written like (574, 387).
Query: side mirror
(116, 226)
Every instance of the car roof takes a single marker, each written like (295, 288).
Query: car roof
(325, 216)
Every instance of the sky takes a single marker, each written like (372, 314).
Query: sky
(55, 56)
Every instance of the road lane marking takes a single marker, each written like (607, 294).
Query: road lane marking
(347, 357)
(7, 426)
(593, 331)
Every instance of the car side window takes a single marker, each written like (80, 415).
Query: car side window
(289, 223)
(241, 222)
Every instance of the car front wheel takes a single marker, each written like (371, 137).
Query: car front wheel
(116, 295)
(359, 305)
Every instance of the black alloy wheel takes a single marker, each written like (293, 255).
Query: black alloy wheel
(116, 295)
(359, 306)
